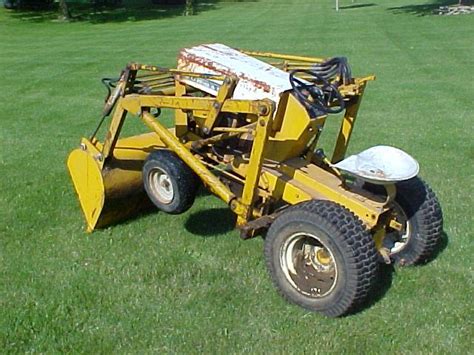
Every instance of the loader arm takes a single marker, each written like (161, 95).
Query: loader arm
(115, 165)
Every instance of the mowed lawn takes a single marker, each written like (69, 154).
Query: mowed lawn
(187, 283)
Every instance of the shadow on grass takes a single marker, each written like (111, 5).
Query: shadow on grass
(355, 6)
(422, 9)
(211, 222)
(108, 14)
(385, 276)
(380, 287)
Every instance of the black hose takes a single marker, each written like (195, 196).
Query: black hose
(318, 95)
(98, 127)
(337, 66)
(109, 84)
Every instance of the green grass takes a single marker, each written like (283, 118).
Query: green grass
(187, 283)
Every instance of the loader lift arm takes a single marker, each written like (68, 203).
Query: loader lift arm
(123, 101)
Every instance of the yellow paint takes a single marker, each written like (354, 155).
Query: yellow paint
(285, 56)
(225, 92)
(87, 180)
(108, 191)
(293, 128)
(299, 181)
(255, 164)
(348, 122)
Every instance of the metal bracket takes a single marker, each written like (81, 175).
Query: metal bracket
(257, 226)
(225, 92)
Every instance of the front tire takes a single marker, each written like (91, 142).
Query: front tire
(321, 257)
(169, 183)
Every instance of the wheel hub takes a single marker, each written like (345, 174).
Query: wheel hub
(309, 265)
(161, 185)
(395, 241)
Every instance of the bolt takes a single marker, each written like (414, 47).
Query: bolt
(83, 146)
(205, 130)
(216, 105)
(99, 157)
(263, 110)
(262, 123)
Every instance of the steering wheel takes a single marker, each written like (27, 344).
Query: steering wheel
(318, 97)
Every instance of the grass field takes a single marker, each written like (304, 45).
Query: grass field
(187, 283)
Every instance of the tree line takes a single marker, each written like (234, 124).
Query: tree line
(64, 6)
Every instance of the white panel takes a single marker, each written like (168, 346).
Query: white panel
(257, 79)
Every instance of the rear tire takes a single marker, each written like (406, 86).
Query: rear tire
(169, 183)
(321, 257)
(419, 211)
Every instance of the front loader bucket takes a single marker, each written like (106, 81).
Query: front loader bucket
(112, 191)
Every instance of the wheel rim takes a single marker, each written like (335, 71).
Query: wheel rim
(161, 185)
(309, 265)
(396, 241)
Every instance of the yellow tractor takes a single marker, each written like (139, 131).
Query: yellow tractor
(247, 126)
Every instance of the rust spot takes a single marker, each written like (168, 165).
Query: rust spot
(189, 58)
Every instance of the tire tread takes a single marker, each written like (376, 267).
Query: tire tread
(423, 205)
(185, 179)
(350, 234)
